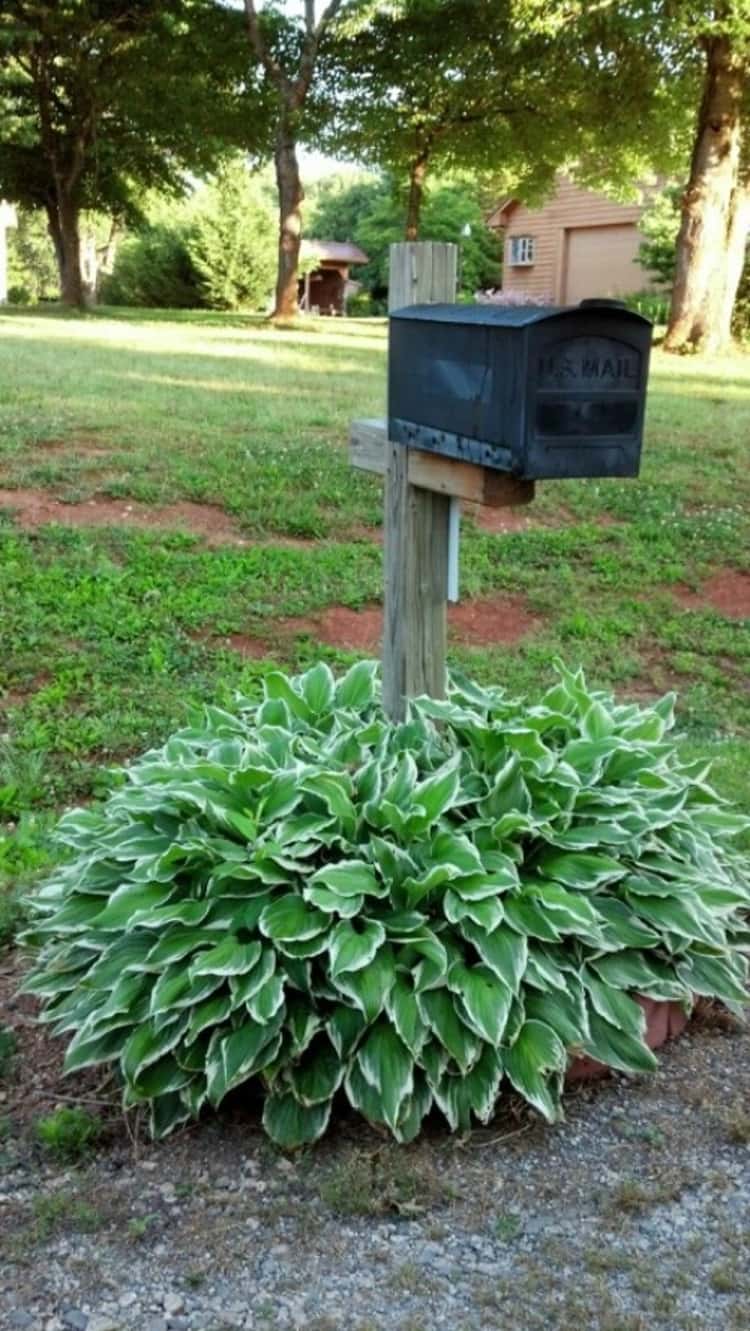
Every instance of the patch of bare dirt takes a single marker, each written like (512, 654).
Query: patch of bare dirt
(727, 591)
(37, 508)
(491, 620)
(481, 623)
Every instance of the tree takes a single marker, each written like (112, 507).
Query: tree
(288, 51)
(100, 99)
(519, 87)
(231, 241)
(715, 212)
(370, 212)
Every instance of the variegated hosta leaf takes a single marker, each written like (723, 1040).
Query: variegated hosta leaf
(302, 892)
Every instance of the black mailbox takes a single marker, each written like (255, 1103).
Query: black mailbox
(534, 391)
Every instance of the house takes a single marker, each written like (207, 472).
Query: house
(325, 287)
(577, 244)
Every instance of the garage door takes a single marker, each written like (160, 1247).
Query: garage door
(601, 261)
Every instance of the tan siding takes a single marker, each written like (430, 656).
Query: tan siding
(571, 206)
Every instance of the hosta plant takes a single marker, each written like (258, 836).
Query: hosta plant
(405, 916)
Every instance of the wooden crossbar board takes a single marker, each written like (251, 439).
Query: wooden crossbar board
(461, 480)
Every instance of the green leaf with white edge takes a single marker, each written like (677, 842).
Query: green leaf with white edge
(583, 870)
(385, 1062)
(616, 1048)
(414, 1109)
(267, 1000)
(229, 957)
(502, 949)
(292, 1125)
(456, 851)
(237, 1056)
(535, 1065)
(361, 1095)
(277, 685)
(541, 971)
(487, 914)
(318, 689)
(367, 988)
(722, 976)
(567, 1018)
(169, 987)
(684, 916)
(128, 903)
(209, 1014)
(486, 1000)
(350, 878)
(176, 944)
(167, 1113)
(459, 1098)
(146, 1045)
(87, 1049)
(244, 987)
(621, 928)
(614, 1005)
(439, 791)
(356, 689)
(597, 722)
(478, 886)
(315, 1079)
(438, 1009)
(289, 917)
(351, 949)
(570, 911)
(524, 913)
(344, 1026)
(332, 903)
(403, 1010)
(628, 969)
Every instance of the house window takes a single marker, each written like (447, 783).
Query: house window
(522, 251)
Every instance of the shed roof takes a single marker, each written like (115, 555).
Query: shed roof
(339, 251)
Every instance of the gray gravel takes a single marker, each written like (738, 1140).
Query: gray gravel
(634, 1215)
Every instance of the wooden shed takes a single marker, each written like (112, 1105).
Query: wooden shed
(578, 244)
(325, 287)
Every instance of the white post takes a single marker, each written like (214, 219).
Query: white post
(7, 220)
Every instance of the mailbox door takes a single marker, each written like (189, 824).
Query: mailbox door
(586, 394)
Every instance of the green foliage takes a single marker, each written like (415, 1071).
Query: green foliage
(32, 271)
(305, 893)
(154, 268)
(370, 212)
(232, 242)
(215, 251)
(8, 1047)
(660, 225)
(69, 1132)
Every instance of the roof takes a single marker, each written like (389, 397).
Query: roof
(338, 251)
(505, 316)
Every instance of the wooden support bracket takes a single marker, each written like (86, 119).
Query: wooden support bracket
(368, 451)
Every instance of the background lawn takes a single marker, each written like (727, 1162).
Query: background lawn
(111, 632)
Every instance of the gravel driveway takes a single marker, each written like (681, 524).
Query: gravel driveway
(633, 1215)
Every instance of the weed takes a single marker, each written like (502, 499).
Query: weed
(68, 1132)
(56, 1211)
(385, 1179)
(139, 1226)
(737, 1122)
(726, 1278)
(507, 1227)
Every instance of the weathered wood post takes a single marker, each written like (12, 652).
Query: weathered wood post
(416, 519)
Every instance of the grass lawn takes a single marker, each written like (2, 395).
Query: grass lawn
(110, 632)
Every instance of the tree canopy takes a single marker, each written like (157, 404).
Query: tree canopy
(102, 99)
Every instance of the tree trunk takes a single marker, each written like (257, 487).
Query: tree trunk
(417, 176)
(291, 195)
(739, 231)
(63, 224)
(701, 273)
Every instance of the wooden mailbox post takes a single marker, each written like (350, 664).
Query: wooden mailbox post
(422, 496)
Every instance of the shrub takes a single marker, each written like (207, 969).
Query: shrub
(232, 242)
(68, 1132)
(307, 893)
(154, 269)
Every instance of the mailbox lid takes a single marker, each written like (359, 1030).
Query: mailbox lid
(586, 392)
